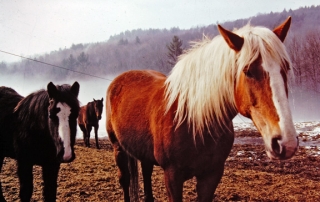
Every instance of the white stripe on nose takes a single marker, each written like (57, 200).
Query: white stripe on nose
(288, 134)
(64, 129)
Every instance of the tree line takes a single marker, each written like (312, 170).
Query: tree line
(158, 49)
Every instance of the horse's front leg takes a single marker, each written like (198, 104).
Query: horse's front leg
(50, 177)
(147, 169)
(174, 184)
(208, 182)
(96, 135)
(26, 180)
(89, 128)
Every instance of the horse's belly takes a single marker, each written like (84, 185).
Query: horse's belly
(140, 145)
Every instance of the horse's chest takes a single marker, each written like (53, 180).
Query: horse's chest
(194, 158)
(38, 148)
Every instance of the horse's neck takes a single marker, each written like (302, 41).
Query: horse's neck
(224, 127)
(90, 112)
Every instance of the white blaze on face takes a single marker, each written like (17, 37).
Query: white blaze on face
(281, 103)
(64, 129)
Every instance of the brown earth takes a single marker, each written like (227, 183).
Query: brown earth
(249, 176)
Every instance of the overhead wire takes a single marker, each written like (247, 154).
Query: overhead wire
(83, 73)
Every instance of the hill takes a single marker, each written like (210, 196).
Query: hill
(146, 49)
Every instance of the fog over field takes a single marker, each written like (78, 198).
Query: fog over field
(304, 105)
(89, 89)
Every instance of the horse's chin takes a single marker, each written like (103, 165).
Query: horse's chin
(67, 160)
(63, 159)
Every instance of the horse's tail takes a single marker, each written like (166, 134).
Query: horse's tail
(134, 176)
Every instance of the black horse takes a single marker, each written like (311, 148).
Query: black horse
(89, 117)
(39, 129)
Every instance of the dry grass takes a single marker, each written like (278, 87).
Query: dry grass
(248, 177)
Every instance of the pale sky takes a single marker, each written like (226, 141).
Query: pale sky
(31, 27)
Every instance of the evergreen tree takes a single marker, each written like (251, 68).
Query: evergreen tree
(123, 42)
(138, 40)
(174, 50)
(70, 62)
(83, 60)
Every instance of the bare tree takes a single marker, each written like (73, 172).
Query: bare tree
(311, 55)
(295, 50)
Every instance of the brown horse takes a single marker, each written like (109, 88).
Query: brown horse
(89, 117)
(183, 122)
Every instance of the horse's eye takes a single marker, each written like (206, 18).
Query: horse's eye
(254, 72)
(53, 112)
(248, 73)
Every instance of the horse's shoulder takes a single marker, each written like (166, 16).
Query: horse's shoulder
(83, 108)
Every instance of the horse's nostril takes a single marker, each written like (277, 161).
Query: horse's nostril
(276, 147)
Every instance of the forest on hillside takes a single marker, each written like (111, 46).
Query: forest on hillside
(148, 49)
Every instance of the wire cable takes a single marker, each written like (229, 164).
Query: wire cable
(54, 65)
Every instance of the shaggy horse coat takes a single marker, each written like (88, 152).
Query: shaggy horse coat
(39, 129)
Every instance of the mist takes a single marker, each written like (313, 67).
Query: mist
(304, 104)
(89, 89)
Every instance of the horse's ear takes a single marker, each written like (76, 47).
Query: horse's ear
(234, 41)
(75, 88)
(52, 90)
(101, 99)
(282, 30)
(94, 99)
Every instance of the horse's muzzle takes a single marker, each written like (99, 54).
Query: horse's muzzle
(281, 151)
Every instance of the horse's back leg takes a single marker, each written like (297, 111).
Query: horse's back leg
(121, 158)
(147, 169)
(1, 194)
(96, 135)
(26, 180)
(84, 132)
(207, 184)
(50, 177)
(89, 128)
(174, 184)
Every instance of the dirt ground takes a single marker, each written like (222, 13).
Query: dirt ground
(249, 176)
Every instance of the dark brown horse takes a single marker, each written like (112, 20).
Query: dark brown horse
(39, 129)
(89, 117)
(183, 122)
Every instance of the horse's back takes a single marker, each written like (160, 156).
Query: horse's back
(135, 81)
(9, 98)
(132, 99)
(82, 115)
(87, 115)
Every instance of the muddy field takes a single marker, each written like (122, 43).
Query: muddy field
(249, 176)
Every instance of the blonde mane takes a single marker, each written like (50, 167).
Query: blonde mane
(202, 82)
